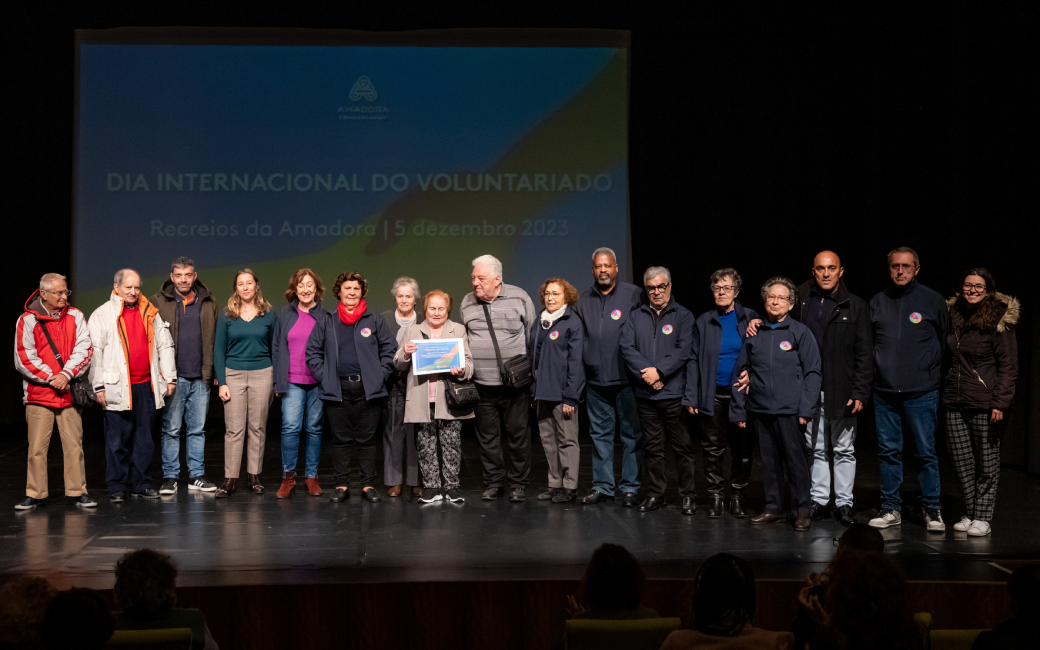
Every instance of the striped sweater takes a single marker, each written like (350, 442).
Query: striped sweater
(513, 316)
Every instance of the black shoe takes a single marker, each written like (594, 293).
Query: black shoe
(563, 495)
(736, 508)
(651, 503)
(845, 516)
(429, 495)
(518, 494)
(548, 494)
(689, 506)
(117, 497)
(340, 494)
(370, 495)
(83, 501)
(491, 494)
(594, 497)
(29, 503)
(147, 493)
(629, 500)
(169, 486)
(453, 495)
(817, 511)
(715, 508)
(201, 484)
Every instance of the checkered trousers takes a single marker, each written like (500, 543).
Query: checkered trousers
(976, 458)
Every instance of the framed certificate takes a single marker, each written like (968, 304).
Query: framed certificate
(437, 355)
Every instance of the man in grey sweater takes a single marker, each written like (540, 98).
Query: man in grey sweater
(502, 410)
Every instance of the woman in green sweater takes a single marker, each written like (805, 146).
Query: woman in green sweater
(242, 359)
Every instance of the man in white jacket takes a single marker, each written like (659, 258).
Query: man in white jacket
(133, 369)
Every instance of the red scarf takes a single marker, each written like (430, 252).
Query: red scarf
(347, 317)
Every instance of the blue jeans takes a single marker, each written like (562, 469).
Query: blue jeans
(606, 404)
(188, 405)
(839, 434)
(919, 412)
(301, 409)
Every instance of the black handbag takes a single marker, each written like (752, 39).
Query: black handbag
(459, 394)
(516, 371)
(80, 390)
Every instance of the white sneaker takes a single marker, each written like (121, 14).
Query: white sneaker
(886, 518)
(979, 528)
(933, 520)
(963, 525)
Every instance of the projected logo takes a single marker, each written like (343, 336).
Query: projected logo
(363, 89)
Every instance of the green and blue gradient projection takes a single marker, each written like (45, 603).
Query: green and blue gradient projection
(387, 160)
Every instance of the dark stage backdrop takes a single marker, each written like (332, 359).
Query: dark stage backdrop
(756, 138)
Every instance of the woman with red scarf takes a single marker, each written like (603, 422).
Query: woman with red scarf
(350, 353)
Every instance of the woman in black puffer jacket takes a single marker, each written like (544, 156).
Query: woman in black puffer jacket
(980, 385)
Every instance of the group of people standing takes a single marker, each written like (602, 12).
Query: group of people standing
(793, 379)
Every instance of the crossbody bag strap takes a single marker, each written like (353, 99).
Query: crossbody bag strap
(54, 348)
(494, 339)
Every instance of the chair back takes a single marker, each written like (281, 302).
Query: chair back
(635, 634)
(175, 638)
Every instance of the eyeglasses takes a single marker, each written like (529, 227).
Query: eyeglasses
(980, 288)
(777, 299)
(65, 293)
(658, 288)
(902, 267)
(718, 288)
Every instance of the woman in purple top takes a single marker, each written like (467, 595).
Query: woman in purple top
(294, 383)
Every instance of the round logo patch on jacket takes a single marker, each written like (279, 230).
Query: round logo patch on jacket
(553, 335)
(785, 345)
(366, 332)
(667, 329)
(616, 314)
(915, 318)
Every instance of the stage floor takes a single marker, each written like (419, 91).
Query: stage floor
(251, 539)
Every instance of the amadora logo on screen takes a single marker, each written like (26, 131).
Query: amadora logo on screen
(363, 89)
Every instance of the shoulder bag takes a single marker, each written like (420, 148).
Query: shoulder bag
(459, 394)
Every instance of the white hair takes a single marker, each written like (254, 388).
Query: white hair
(603, 251)
(405, 281)
(49, 279)
(489, 260)
(118, 280)
(655, 271)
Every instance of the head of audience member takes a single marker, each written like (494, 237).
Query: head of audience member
(903, 265)
(182, 273)
(23, 606)
(245, 290)
(725, 287)
(613, 581)
(604, 269)
(557, 293)
(486, 277)
(351, 288)
(868, 606)
(78, 619)
(306, 288)
(146, 582)
(778, 294)
(127, 285)
(862, 539)
(436, 307)
(54, 292)
(1024, 589)
(406, 293)
(657, 281)
(827, 271)
(724, 596)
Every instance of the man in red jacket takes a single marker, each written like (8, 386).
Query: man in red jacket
(46, 375)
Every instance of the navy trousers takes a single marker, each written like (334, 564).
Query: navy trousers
(784, 468)
(128, 442)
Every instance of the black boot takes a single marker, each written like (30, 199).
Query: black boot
(715, 508)
(736, 509)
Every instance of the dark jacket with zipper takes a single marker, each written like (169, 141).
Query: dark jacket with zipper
(601, 354)
(703, 365)
(783, 365)
(910, 324)
(983, 360)
(375, 354)
(559, 374)
(166, 302)
(287, 317)
(846, 352)
(649, 340)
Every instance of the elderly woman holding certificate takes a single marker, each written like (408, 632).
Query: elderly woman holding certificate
(426, 404)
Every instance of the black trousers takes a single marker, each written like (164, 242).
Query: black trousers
(785, 472)
(662, 420)
(716, 431)
(128, 442)
(502, 412)
(354, 422)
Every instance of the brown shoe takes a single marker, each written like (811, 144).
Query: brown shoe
(394, 491)
(766, 518)
(802, 524)
(417, 491)
(313, 488)
(254, 484)
(288, 486)
(226, 489)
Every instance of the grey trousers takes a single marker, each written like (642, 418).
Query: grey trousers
(560, 441)
(400, 458)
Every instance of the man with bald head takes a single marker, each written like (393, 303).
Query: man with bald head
(840, 323)
(132, 371)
